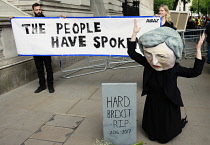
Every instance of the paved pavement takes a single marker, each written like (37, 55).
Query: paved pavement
(73, 114)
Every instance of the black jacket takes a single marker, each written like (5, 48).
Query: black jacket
(169, 24)
(170, 76)
(207, 31)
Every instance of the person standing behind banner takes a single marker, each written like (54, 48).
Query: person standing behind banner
(165, 14)
(207, 31)
(41, 61)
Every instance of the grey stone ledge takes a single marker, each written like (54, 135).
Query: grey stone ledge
(5, 63)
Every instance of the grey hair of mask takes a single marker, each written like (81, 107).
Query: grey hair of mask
(160, 35)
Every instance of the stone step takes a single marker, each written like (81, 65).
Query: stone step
(56, 7)
(72, 7)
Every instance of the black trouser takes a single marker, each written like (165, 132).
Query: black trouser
(40, 61)
(208, 53)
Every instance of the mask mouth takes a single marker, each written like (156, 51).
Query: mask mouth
(155, 66)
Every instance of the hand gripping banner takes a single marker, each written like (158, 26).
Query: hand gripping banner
(89, 36)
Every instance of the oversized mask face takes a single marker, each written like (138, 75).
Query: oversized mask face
(160, 57)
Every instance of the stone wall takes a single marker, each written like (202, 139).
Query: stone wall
(113, 7)
(15, 72)
(146, 7)
(8, 43)
(53, 8)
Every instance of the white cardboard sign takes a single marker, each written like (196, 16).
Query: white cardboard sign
(101, 36)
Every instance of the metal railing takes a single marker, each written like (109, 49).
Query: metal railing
(96, 64)
(190, 39)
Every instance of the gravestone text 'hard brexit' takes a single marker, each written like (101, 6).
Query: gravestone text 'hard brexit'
(119, 112)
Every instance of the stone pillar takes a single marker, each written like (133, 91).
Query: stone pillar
(8, 42)
(1, 45)
(146, 8)
(77, 2)
(113, 8)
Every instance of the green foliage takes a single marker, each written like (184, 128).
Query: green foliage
(172, 4)
(202, 6)
(157, 3)
(139, 143)
(102, 142)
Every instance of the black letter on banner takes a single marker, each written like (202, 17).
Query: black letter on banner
(120, 42)
(82, 41)
(59, 27)
(67, 32)
(64, 42)
(54, 42)
(82, 27)
(72, 42)
(77, 27)
(88, 29)
(97, 45)
(97, 28)
(41, 29)
(114, 41)
(34, 28)
(104, 39)
(26, 27)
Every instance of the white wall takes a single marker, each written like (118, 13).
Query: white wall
(146, 7)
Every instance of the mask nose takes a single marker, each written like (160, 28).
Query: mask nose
(154, 60)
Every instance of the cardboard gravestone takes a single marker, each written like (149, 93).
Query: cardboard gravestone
(119, 113)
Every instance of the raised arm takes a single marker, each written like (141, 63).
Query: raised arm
(132, 46)
(198, 47)
(198, 65)
(136, 29)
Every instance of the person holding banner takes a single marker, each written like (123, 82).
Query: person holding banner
(41, 61)
(162, 49)
(165, 15)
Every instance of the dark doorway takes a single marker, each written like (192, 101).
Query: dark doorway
(130, 8)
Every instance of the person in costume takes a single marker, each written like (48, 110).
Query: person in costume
(162, 49)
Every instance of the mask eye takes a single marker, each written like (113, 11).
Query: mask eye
(148, 55)
(161, 56)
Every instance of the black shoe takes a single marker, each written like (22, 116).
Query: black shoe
(152, 138)
(163, 141)
(184, 121)
(40, 89)
(51, 89)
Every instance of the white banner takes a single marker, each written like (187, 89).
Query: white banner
(104, 36)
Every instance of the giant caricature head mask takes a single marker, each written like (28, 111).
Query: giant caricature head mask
(162, 47)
